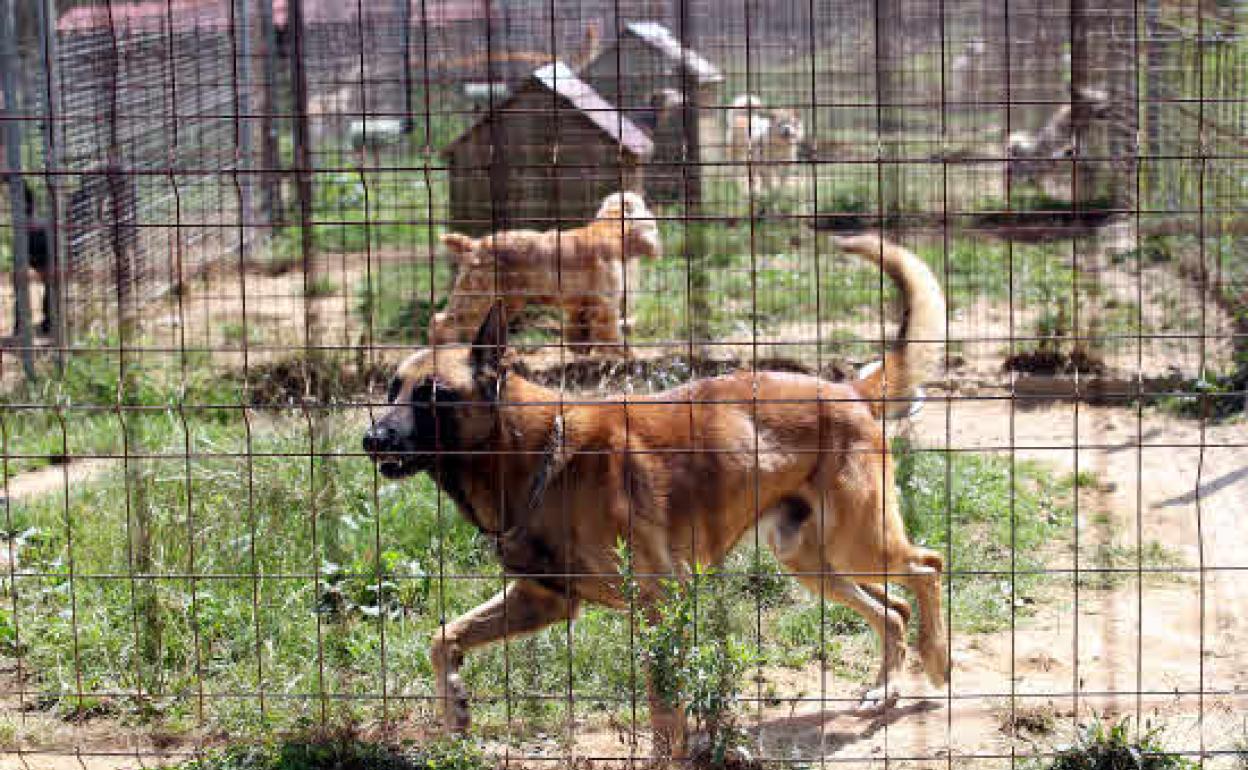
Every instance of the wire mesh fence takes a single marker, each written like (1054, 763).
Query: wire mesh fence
(234, 227)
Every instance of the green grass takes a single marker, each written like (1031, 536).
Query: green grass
(997, 525)
(78, 413)
(321, 286)
(357, 211)
(1109, 565)
(796, 277)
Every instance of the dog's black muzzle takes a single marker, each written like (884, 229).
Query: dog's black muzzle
(395, 455)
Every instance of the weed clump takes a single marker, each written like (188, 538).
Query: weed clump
(344, 752)
(1111, 747)
(694, 658)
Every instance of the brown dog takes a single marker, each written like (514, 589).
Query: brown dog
(680, 477)
(582, 270)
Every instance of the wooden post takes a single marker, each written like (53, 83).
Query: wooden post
(56, 274)
(890, 115)
(242, 93)
(691, 192)
(269, 158)
(405, 75)
(301, 134)
(17, 194)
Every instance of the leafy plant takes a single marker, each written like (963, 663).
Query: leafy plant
(692, 655)
(343, 752)
(1111, 747)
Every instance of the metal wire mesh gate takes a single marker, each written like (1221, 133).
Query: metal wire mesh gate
(246, 213)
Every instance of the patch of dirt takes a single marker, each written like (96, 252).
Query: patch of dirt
(53, 478)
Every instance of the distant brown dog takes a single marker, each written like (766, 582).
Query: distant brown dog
(582, 270)
(763, 143)
(679, 477)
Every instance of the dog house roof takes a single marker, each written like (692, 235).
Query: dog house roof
(662, 40)
(559, 79)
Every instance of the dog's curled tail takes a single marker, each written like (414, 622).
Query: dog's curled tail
(894, 385)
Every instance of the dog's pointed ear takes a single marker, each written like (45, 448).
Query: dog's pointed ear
(490, 346)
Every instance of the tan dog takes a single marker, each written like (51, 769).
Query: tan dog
(680, 477)
(762, 143)
(583, 270)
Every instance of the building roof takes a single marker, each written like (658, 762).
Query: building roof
(559, 79)
(662, 40)
(154, 15)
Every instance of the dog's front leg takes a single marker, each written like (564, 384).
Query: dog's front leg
(521, 608)
(602, 316)
(668, 720)
(668, 723)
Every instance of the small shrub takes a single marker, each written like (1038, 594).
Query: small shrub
(1210, 397)
(236, 333)
(344, 753)
(1110, 747)
(693, 656)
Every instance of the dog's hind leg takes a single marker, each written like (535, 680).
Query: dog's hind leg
(522, 608)
(922, 576)
(794, 535)
(894, 603)
(887, 623)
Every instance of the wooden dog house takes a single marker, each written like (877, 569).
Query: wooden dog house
(543, 158)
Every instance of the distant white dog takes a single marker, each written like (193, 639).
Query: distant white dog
(767, 138)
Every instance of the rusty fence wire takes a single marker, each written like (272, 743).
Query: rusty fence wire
(226, 225)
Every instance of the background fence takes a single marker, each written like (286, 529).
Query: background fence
(238, 206)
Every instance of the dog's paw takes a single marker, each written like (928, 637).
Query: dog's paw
(878, 699)
(936, 664)
(458, 716)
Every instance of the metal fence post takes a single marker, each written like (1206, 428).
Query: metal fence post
(17, 197)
